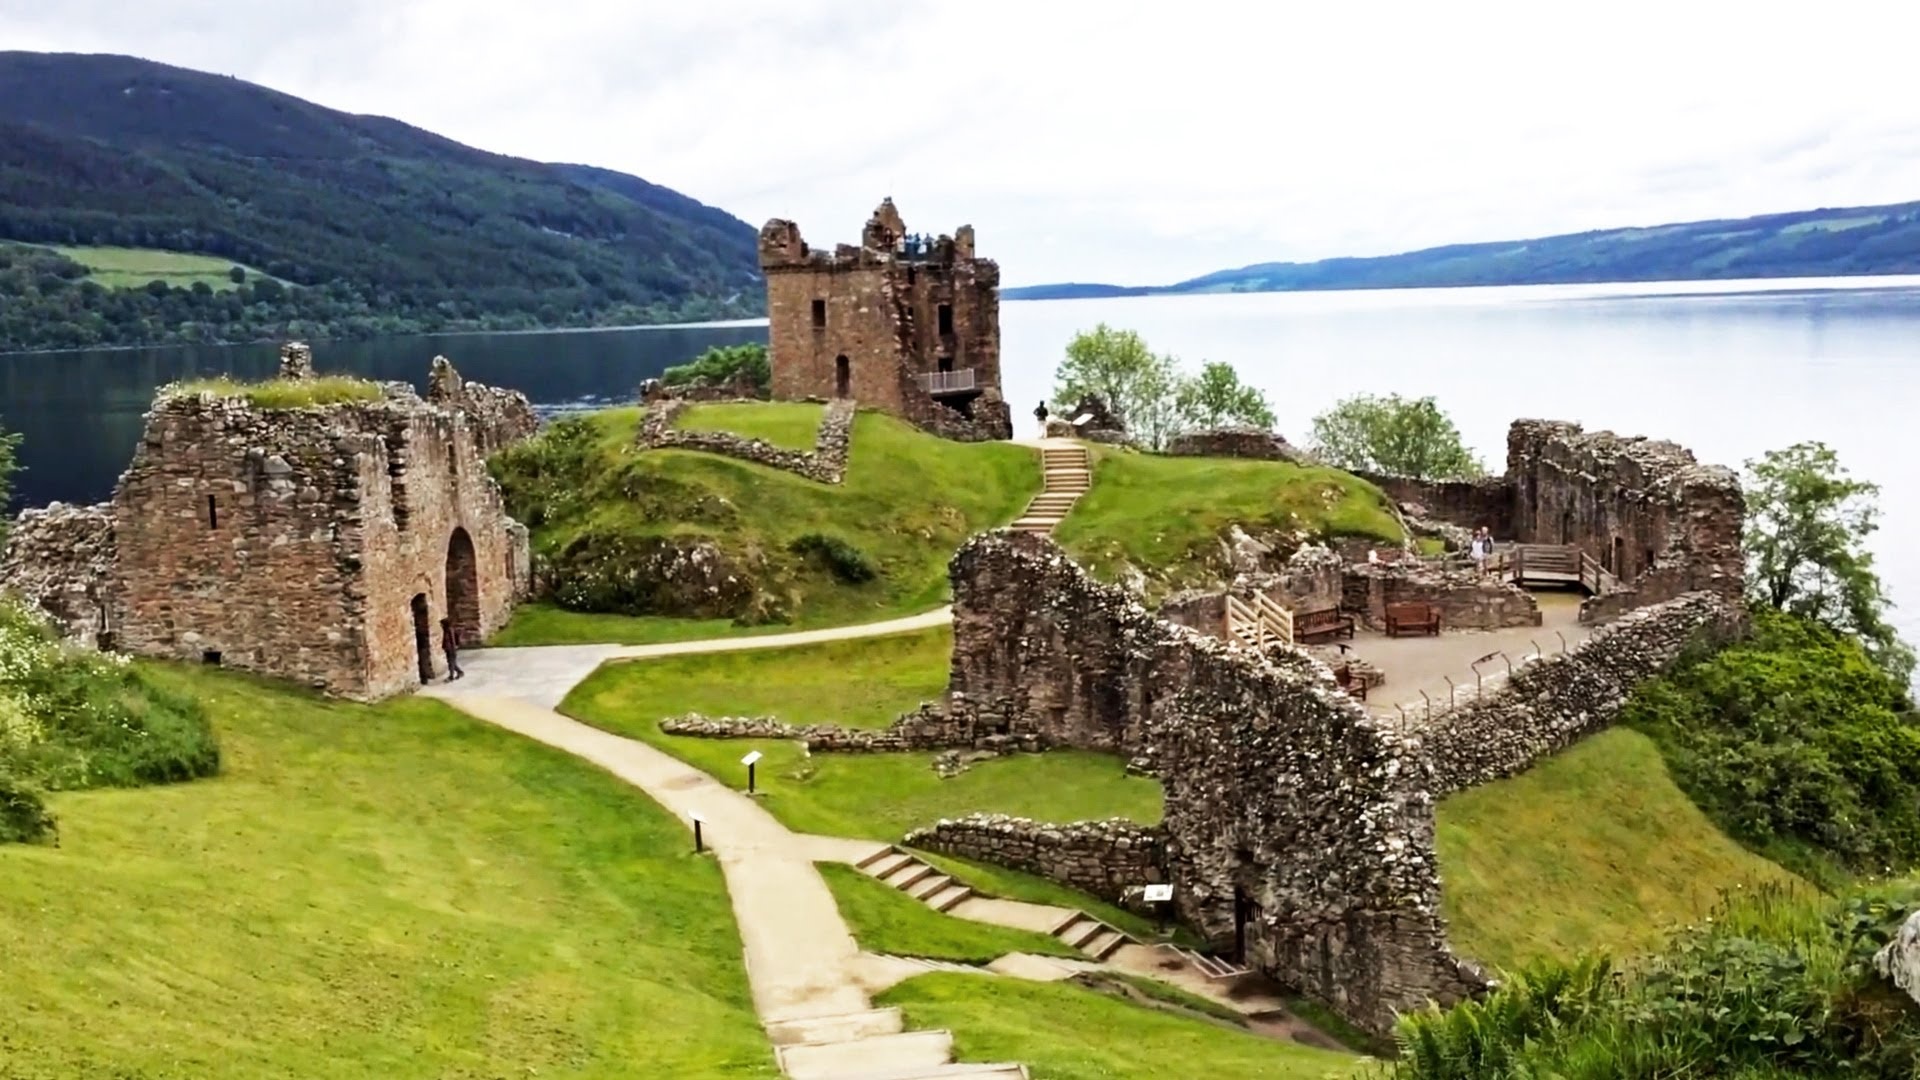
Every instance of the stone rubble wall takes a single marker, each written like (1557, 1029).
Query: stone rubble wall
(1279, 788)
(991, 418)
(1237, 442)
(1466, 504)
(1313, 578)
(1553, 702)
(1645, 509)
(1101, 858)
(1467, 601)
(826, 463)
(61, 559)
(740, 387)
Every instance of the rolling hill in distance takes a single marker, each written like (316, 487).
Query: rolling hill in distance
(1808, 243)
(365, 224)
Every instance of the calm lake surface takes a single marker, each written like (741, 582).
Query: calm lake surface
(1729, 369)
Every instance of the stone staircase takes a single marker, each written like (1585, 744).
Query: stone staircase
(910, 875)
(1212, 967)
(1067, 473)
(873, 1045)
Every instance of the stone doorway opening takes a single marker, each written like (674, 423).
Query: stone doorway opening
(842, 376)
(463, 586)
(423, 637)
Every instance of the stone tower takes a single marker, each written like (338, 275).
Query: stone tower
(905, 323)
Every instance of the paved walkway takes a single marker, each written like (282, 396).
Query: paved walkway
(1414, 664)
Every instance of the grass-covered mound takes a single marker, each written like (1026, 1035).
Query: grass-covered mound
(1797, 743)
(286, 393)
(392, 891)
(1164, 517)
(885, 920)
(1776, 984)
(863, 683)
(765, 545)
(1066, 1032)
(72, 719)
(1592, 848)
(792, 425)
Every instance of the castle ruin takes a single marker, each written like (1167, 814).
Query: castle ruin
(905, 323)
(321, 544)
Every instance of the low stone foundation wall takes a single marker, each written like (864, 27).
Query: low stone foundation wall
(1553, 702)
(927, 728)
(1469, 504)
(62, 559)
(1237, 442)
(1101, 858)
(826, 463)
(1467, 601)
(739, 388)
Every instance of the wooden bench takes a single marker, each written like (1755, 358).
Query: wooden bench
(1355, 686)
(1412, 618)
(1321, 624)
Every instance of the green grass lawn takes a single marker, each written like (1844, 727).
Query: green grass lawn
(548, 624)
(885, 920)
(288, 393)
(1065, 1032)
(859, 683)
(1165, 515)
(1593, 848)
(132, 268)
(909, 500)
(394, 891)
(793, 425)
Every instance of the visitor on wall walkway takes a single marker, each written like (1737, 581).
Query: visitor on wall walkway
(450, 642)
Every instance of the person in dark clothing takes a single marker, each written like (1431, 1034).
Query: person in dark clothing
(1040, 414)
(450, 643)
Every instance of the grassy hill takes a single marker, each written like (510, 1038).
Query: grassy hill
(1808, 243)
(393, 891)
(1164, 516)
(404, 229)
(597, 505)
(1593, 848)
(135, 268)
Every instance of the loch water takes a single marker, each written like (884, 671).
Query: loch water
(1729, 369)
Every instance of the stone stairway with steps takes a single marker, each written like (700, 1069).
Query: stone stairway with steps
(1212, 967)
(917, 879)
(873, 1045)
(1067, 473)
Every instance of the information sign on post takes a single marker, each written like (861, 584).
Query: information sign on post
(749, 762)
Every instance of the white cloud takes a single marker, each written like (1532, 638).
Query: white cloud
(1113, 141)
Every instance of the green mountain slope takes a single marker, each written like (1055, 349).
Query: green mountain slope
(1808, 243)
(370, 219)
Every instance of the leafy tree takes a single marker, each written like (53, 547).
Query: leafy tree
(237, 275)
(721, 363)
(1807, 525)
(1394, 435)
(9, 467)
(1138, 384)
(1216, 397)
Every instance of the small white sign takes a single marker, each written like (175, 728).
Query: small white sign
(750, 758)
(1081, 420)
(1159, 894)
(695, 817)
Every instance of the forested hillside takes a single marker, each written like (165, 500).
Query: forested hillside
(369, 225)
(1808, 243)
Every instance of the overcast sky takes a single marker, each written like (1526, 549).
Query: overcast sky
(1113, 141)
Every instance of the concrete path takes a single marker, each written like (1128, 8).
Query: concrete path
(1414, 664)
(543, 674)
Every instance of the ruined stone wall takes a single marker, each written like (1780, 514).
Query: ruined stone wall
(826, 463)
(1645, 510)
(1285, 800)
(1468, 504)
(61, 559)
(1236, 442)
(1553, 702)
(292, 542)
(862, 324)
(1467, 601)
(1312, 579)
(495, 418)
(1101, 858)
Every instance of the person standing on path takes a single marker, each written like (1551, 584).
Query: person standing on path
(1040, 414)
(1481, 549)
(450, 644)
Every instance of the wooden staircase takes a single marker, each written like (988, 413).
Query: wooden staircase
(910, 875)
(1258, 623)
(1067, 473)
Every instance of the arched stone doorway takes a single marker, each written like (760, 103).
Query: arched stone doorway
(842, 376)
(463, 586)
(423, 637)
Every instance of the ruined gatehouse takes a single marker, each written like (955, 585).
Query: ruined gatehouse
(321, 544)
(901, 322)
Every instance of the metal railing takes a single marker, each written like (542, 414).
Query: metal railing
(947, 382)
